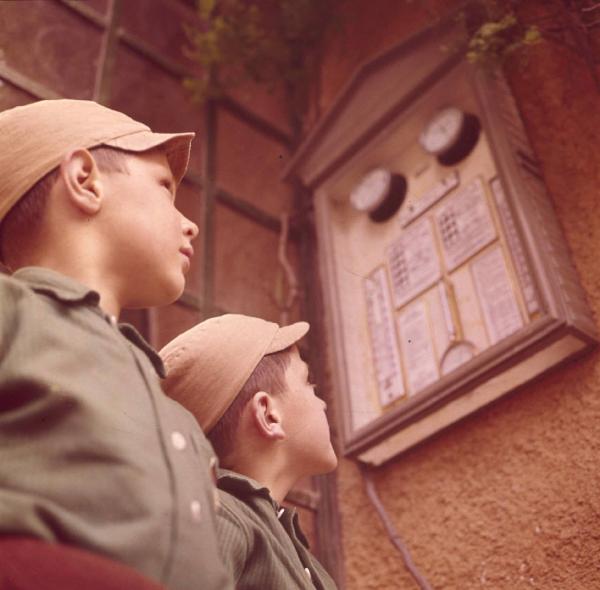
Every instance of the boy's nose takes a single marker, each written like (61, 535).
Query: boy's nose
(190, 229)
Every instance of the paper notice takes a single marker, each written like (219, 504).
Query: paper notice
(497, 298)
(386, 356)
(417, 347)
(465, 224)
(413, 262)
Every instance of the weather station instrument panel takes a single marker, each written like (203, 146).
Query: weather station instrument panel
(447, 280)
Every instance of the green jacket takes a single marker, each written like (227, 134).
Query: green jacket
(261, 542)
(92, 453)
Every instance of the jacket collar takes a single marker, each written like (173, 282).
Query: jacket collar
(136, 338)
(59, 286)
(241, 486)
(70, 291)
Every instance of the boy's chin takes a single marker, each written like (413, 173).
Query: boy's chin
(333, 462)
(327, 463)
(161, 293)
(170, 296)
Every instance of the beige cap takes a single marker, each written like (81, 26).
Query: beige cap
(208, 365)
(35, 137)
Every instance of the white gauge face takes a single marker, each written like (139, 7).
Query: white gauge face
(370, 192)
(442, 131)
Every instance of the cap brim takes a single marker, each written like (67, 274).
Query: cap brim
(177, 147)
(287, 335)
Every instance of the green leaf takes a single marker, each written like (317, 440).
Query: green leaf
(206, 8)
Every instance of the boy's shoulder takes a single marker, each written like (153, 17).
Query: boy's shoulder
(11, 288)
(28, 295)
(262, 541)
(249, 506)
(32, 281)
(240, 501)
(245, 506)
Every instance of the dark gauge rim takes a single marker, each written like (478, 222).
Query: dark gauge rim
(393, 200)
(465, 144)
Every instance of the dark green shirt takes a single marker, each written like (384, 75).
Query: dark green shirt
(261, 542)
(92, 453)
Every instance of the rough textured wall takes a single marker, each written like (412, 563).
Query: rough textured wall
(508, 498)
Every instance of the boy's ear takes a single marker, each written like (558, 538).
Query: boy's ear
(81, 177)
(266, 417)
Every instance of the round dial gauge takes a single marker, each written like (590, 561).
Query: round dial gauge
(443, 131)
(371, 191)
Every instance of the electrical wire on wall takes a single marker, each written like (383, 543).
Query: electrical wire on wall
(285, 301)
(391, 529)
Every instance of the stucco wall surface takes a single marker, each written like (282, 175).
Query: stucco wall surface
(509, 498)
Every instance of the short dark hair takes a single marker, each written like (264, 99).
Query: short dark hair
(269, 376)
(24, 219)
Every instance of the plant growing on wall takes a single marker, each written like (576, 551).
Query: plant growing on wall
(497, 28)
(494, 28)
(265, 41)
(498, 36)
(273, 42)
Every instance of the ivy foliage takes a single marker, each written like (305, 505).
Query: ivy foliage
(278, 43)
(265, 41)
(496, 31)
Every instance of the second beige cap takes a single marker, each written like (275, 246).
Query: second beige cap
(208, 365)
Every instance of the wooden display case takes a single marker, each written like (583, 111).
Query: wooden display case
(447, 280)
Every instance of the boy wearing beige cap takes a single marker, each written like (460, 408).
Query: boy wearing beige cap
(246, 384)
(92, 453)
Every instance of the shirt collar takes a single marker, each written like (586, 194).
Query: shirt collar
(59, 286)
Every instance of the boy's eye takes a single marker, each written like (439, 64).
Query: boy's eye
(167, 185)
